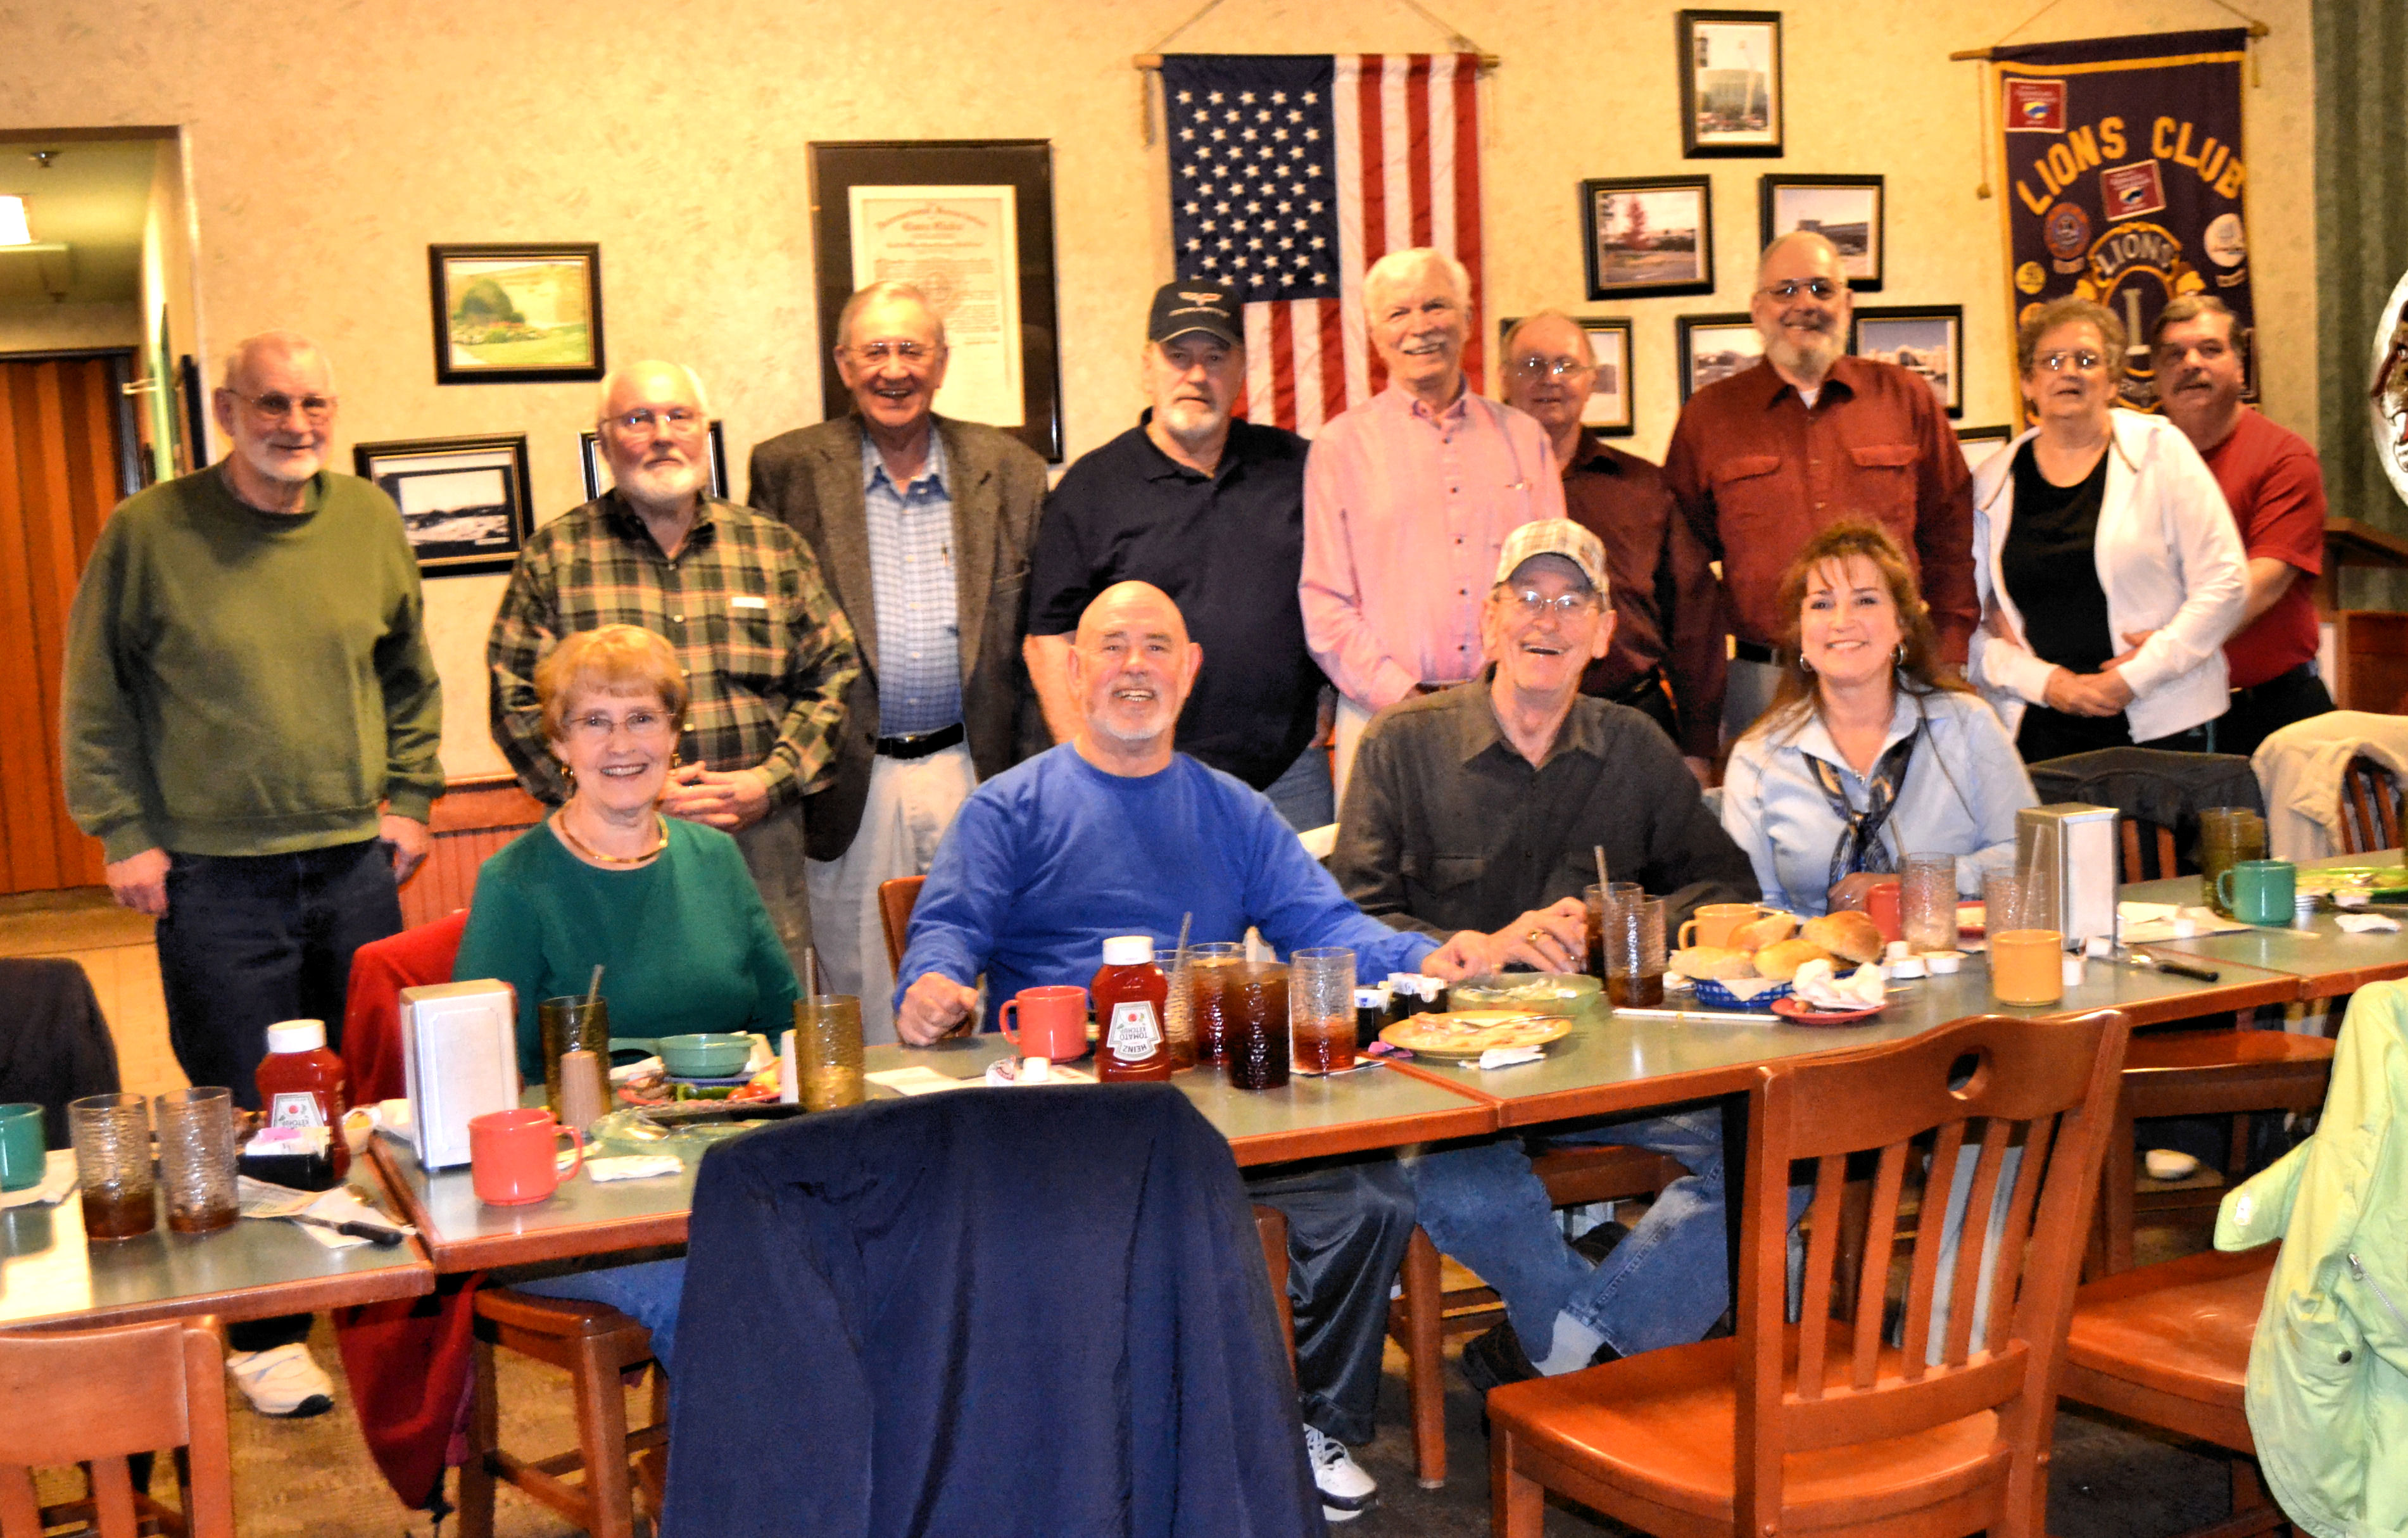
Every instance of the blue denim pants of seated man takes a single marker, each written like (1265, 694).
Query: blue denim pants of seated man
(646, 1292)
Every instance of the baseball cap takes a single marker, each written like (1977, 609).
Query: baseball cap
(1181, 308)
(1555, 537)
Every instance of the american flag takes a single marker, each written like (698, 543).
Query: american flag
(1290, 176)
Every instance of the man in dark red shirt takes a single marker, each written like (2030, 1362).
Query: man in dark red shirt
(2276, 491)
(1762, 461)
(1667, 622)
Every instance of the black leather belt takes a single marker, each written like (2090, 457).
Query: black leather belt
(2287, 678)
(1748, 651)
(1651, 682)
(921, 745)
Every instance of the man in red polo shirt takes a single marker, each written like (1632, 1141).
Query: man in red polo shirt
(2276, 490)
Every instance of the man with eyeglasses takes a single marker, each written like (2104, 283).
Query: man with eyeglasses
(1763, 460)
(923, 524)
(1667, 613)
(1479, 809)
(1211, 511)
(767, 652)
(250, 722)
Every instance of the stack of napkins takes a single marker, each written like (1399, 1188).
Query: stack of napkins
(2367, 923)
(1818, 984)
(633, 1166)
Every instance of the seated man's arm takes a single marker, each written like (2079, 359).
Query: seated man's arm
(1295, 903)
(1368, 860)
(962, 907)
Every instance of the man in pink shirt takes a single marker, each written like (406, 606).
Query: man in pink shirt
(1408, 498)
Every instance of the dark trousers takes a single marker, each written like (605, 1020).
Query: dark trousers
(1347, 1224)
(249, 939)
(2047, 734)
(2263, 709)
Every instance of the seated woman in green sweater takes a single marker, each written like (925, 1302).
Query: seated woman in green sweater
(665, 904)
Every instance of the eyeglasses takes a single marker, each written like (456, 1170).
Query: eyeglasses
(596, 727)
(1563, 605)
(2082, 359)
(1820, 288)
(1544, 368)
(677, 422)
(276, 405)
(909, 355)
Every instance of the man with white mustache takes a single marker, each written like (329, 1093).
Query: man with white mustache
(2276, 489)
(1809, 435)
(1408, 498)
(767, 653)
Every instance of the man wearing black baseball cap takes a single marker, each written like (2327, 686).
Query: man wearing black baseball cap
(1211, 509)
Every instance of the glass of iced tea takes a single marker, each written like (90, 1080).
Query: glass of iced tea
(1321, 1010)
(112, 1147)
(1209, 970)
(1255, 998)
(1600, 900)
(1634, 951)
(197, 1157)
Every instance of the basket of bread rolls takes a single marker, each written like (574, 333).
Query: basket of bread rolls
(1755, 968)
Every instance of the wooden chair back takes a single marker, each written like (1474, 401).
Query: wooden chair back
(2370, 807)
(98, 1396)
(1975, 1089)
(2148, 850)
(896, 900)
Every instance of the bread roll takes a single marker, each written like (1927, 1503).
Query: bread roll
(1757, 933)
(1780, 961)
(1715, 961)
(1844, 933)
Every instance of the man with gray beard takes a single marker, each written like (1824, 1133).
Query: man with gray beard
(1762, 461)
(767, 653)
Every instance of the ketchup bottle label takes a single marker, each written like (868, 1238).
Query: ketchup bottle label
(295, 1110)
(1134, 1034)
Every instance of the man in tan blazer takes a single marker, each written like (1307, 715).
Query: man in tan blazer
(922, 526)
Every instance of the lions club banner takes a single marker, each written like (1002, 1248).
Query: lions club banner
(2125, 180)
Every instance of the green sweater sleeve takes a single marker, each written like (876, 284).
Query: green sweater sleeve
(108, 787)
(413, 695)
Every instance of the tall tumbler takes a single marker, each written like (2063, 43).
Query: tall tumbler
(197, 1157)
(112, 1147)
(1179, 1010)
(1634, 951)
(1210, 969)
(1257, 1000)
(1320, 1008)
(2003, 903)
(2228, 834)
(570, 1024)
(827, 1051)
(1926, 901)
(1600, 900)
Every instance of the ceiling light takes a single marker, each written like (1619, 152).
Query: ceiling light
(12, 223)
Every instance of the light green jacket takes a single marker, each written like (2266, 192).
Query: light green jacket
(2328, 1388)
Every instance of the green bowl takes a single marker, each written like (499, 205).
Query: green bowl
(715, 1054)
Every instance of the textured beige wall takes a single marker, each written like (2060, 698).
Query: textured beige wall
(326, 151)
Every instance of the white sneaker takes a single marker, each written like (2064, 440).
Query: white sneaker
(1346, 1492)
(282, 1381)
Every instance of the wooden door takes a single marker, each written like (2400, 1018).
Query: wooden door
(64, 444)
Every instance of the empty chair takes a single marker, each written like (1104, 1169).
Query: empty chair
(99, 1396)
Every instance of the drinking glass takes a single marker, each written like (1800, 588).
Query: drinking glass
(1634, 950)
(197, 1157)
(112, 1145)
(1321, 1010)
(1926, 901)
(1210, 969)
(1600, 900)
(2002, 902)
(2027, 966)
(1179, 1011)
(1257, 1000)
(2228, 834)
(827, 1051)
(570, 1024)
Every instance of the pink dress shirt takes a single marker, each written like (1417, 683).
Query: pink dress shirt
(1404, 509)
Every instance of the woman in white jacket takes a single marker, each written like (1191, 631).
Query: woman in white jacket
(2109, 568)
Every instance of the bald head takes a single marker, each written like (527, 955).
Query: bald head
(1138, 607)
(1132, 670)
(249, 357)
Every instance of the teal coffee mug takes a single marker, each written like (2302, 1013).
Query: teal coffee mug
(2256, 891)
(21, 1146)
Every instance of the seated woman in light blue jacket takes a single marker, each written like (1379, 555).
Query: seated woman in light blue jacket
(1869, 752)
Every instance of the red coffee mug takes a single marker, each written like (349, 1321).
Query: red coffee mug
(512, 1159)
(1882, 907)
(1053, 1022)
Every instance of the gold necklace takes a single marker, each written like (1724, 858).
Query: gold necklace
(579, 847)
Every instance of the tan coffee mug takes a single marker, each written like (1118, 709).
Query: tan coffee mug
(1713, 923)
(2028, 966)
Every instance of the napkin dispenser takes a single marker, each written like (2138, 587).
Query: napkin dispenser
(2068, 852)
(460, 1058)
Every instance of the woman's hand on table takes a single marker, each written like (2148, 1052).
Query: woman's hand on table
(934, 1007)
(1554, 938)
(1850, 891)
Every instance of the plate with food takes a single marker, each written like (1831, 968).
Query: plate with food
(2375, 882)
(1799, 1011)
(1467, 1033)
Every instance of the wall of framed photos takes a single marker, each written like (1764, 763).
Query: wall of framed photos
(325, 160)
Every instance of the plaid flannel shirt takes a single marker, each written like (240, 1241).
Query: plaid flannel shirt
(767, 652)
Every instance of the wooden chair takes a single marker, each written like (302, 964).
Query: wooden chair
(1820, 1426)
(98, 1396)
(2148, 850)
(2169, 1346)
(593, 1343)
(896, 900)
(2370, 807)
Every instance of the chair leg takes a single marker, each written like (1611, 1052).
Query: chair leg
(2116, 1202)
(602, 1439)
(484, 1435)
(1517, 1503)
(652, 1463)
(1425, 1378)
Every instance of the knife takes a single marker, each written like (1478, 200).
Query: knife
(375, 1233)
(2145, 961)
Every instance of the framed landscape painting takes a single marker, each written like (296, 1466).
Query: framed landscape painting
(1716, 347)
(1924, 339)
(1730, 82)
(1845, 211)
(464, 501)
(1649, 234)
(516, 314)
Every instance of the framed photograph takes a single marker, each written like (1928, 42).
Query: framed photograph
(1649, 234)
(1716, 347)
(1925, 339)
(1980, 443)
(597, 470)
(1845, 209)
(1608, 413)
(970, 223)
(516, 314)
(464, 501)
(1730, 82)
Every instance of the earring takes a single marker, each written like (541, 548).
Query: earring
(1898, 656)
(675, 759)
(568, 774)
(1803, 665)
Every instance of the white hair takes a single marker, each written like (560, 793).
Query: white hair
(612, 380)
(1798, 238)
(886, 288)
(1402, 267)
(290, 343)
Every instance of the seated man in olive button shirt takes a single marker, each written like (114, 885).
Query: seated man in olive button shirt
(1478, 809)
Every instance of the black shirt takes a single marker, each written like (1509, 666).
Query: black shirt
(2050, 566)
(1229, 550)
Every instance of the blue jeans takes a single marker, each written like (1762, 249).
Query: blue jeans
(646, 1292)
(1665, 1285)
(1303, 793)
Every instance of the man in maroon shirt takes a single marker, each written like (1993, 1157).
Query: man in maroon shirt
(1762, 461)
(2276, 491)
(1668, 619)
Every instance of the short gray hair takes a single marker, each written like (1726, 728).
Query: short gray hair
(1588, 353)
(290, 343)
(886, 288)
(611, 381)
(1400, 267)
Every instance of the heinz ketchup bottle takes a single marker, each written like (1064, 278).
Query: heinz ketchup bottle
(1130, 992)
(301, 1084)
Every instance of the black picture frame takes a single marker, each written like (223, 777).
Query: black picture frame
(1895, 326)
(1609, 342)
(1863, 247)
(1624, 265)
(1712, 125)
(564, 269)
(1025, 165)
(434, 481)
(1702, 344)
(1978, 443)
(589, 460)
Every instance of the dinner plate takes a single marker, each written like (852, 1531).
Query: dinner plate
(1797, 1011)
(1467, 1033)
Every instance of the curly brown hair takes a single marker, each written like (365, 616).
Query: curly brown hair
(1919, 668)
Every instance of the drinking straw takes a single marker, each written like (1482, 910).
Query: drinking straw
(1180, 953)
(593, 989)
(1602, 881)
(810, 973)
